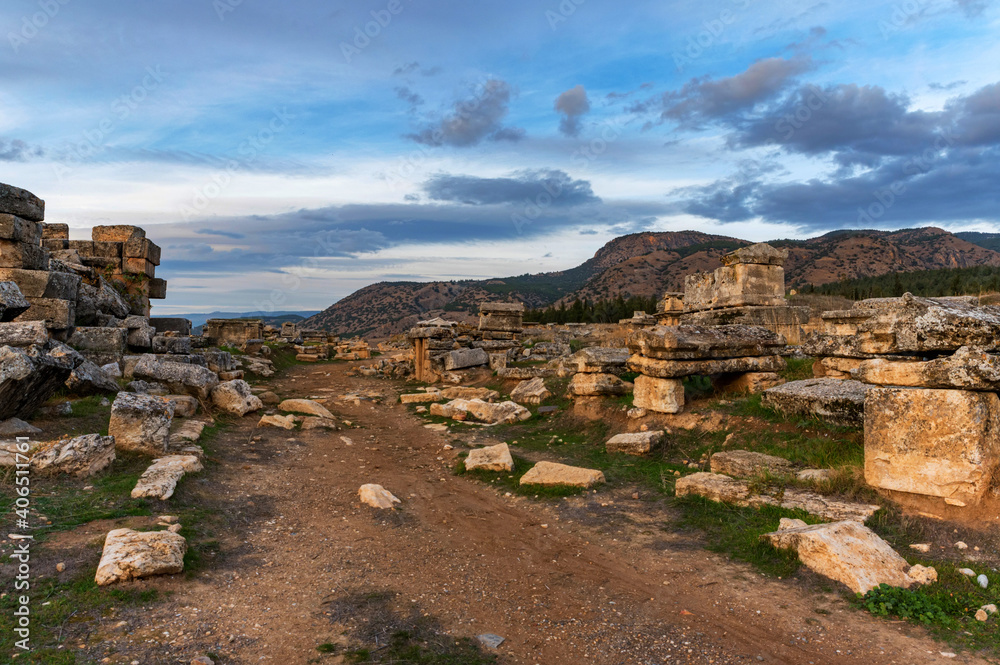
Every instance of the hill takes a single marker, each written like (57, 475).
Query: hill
(269, 318)
(647, 265)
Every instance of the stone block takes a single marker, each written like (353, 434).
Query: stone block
(164, 324)
(594, 385)
(105, 344)
(55, 231)
(235, 397)
(107, 250)
(85, 248)
(180, 378)
(52, 245)
(675, 369)
(634, 443)
(596, 360)
(43, 284)
(141, 423)
(753, 383)
(462, 358)
(22, 255)
(700, 342)
(158, 290)
(57, 314)
(160, 480)
(12, 302)
(138, 267)
(171, 345)
(967, 369)
(142, 248)
(27, 380)
(551, 473)
(15, 229)
(22, 203)
(532, 391)
(490, 458)
(82, 456)
(660, 395)
(132, 554)
(746, 464)
(27, 333)
(840, 401)
(758, 254)
(940, 443)
(116, 233)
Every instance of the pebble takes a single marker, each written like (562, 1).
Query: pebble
(60, 567)
(174, 528)
(968, 572)
(962, 546)
(983, 581)
(921, 547)
(981, 615)
(989, 609)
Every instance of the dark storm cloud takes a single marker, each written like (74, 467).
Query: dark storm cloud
(521, 186)
(473, 119)
(573, 105)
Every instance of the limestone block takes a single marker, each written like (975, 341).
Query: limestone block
(235, 397)
(751, 382)
(746, 464)
(27, 379)
(847, 552)
(105, 344)
(283, 422)
(532, 391)
(171, 345)
(377, 496)
(551, 473)
(141, 423)
(840, 401)
(634, 443)
(968, 369)
(491, 458)
(27, 333)
(82, 456)
(467, 392)
(487, 412)
(592, 385)
(132, 554)
(701, 342)
(55, 231)
(660, 395)
(138, 267)
(22, 203)
(22, 255)
(759, 254)
(674, 369)
(462, 358)
(421, 398)
(185, 406)
(306, 406)
(12, 302)
(116, 233)
(160, 480)
(16, 229)
(141, 248)
(158, 289)
(57, 314)
(525, 372)
(88, 378)
(181, 378)
(941, 443)
(595, 360)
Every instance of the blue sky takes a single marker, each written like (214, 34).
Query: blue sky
(286, 154)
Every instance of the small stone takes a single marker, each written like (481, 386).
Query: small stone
(60, 567)
(962, 546)
(174, 528)
(981, 615)
(490, 640)
(983, 581)
(989, 609)
(968, 572)
(921, 547)
(491, 458)
(202, 660)
(377, 496)
(923, 574)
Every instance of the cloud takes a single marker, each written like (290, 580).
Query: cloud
(408, 68)
(224, 234)
(552, 185)
(474, 119)
(16, 150)
(409, 96)
(946, 86)
(972, 8)
(703, 100)
(572, 104)
(977, 116)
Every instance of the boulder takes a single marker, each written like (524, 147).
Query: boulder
(182, 378)
(306, 406)
(141, 423)
(847, 552)
(593, 385)
(717, 487)
(634, 443)
(132, 555)
(551, 473)
(112, 370)
(377, 496)
(160, 480)
(532, 391)
(841, 402)
(491, 458)
(15, 427)
(12, 302)
(674, 369)
(89, 379)
(100, 345)
(235, 397)
(284, 422)
(185, 406)
(940, 443)
(466, 392)
(21, 203)
(660, 395)
(81, 457)
(462, 358)
(259, 366)
(746, 464)
(487, 412)
(28, 377)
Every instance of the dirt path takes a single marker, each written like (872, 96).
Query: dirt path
(589, 579)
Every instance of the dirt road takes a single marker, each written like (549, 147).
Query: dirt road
(598, 578)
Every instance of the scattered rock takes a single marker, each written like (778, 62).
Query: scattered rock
(235, 397)
(269, 398)
(377, 496)
(962, 546)
(921, 547)
(465, 392)
(490, 640)
(132, 555)
(189, 431)
(594, 385)
(306, 406)
(718, 487)
(532, 391)
(816, 475)
(839, 401)
(981, 615)
(141, 423)
(185, 406)
(493, 414)
(420, 398)
(318, 423)
(847, 552)
(634, 443)
(202, 660)
(15, 427)
(60, 567)
(551, 473)
(923, 574)
(983, 581)
(746, 464)
(491, 458)
(183, 378)
(81, 457)
(160, 480)
(284, 422)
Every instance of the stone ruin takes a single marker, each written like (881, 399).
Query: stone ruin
(738, 357)
(441, 346)
(923, 379)
(749, 289)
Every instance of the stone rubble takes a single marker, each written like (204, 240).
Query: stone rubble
(130, 555)
(160, 480)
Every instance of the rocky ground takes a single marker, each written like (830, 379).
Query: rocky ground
(302, 572)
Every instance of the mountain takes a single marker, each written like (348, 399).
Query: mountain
(269, 318)
(649, 264)
(987, 240)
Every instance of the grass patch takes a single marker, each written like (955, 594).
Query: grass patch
(63, 613)
(798, 369)
(736, 531)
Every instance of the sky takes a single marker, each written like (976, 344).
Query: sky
(285, 154)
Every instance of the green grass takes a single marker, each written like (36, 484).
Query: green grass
(798, 369)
